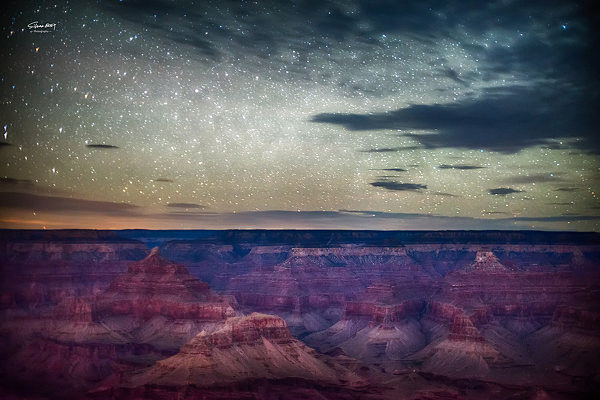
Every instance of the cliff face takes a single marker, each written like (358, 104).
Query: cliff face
(68, 245)
(156, 287)
(483, 320)
(145, 314)
(38, 269)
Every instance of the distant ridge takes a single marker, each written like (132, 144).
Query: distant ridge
(312, 238)
(58, 235)
(324, 238)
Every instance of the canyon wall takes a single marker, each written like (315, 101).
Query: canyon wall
(416, 313)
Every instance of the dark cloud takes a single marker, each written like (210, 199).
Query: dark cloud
(391, 149)
(561, 204)
(567, 189)
(460, 166)
(101, 146)
(243, 29)
(175, 22)
(390, 169)
(4, 144)
(163, 180)
(185, 205)
(454, 76)
(503, 191)
(559, 63)
(185, 214)
(392, 185)
(26, 201)
(535, 178)
(346, 219)
(495, 213)
(504, 119)
(15, 181)
(557, 146)
(355, 219)
(560, 218)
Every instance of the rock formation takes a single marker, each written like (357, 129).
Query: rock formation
(248, 348)
(144, 315)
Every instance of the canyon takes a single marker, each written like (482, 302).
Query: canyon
(300, 314)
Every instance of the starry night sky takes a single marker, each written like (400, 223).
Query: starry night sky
(357, 114)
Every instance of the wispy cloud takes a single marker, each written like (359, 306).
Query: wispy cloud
(391, 149)
(101, 146)
(15, 181)
(34, 202)
(399, 186)
(503, 191)
(460, 166)
(534, 178)
(185, 205)
(390, 169)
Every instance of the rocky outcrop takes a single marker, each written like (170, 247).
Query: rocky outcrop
(156, 287)
(463, 352)
(244, 349)
(486, 263)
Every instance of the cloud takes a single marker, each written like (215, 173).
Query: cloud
(459, 166)
(556, 99)
(185, 205)
(163, 180)
(15, 181)
(567, 189)
(184, 214)
(5, 144)
(445, 194)
(399, 186)
(560, 218)
(279, 219)
(33, 202)
(101, 146)
(535, 178)
(11, 184)
(502, 119)
(390, 169)
(359, 219)
(391, 149)
(503, 191)
(342, 219)
(454, 76)
(164, 18)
